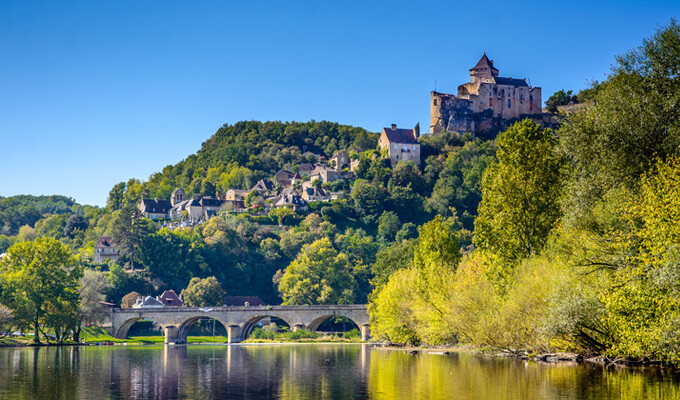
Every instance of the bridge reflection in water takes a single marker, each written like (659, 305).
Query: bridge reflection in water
(239, 321)
(310, 371)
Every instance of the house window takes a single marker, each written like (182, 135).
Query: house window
(395, 147)
(490, 102)
(414, 147)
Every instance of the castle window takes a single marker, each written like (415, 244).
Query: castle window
(509, 104)
(435, 102)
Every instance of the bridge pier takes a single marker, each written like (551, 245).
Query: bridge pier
(298, 326)
(233, 334)
(365, 332)
(172, 335)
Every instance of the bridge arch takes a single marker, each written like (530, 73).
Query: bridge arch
(250, 325)
(314, 325)
(184, 326)
(122, 331)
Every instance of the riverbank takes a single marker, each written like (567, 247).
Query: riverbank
(551, 357)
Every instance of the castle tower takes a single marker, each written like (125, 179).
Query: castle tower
(484, 71)
(177, 196)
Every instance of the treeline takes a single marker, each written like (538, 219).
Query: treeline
(575, 244)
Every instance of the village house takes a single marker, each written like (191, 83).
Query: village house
(400, 144)
(283, 177)
(147, 302)
(264, 186)
(170, 299)
(292, 201)
(154, 209)
(312, 193)
(236, 194)
(305, 169)
(340, 160)
(106, 249)
(326, 174)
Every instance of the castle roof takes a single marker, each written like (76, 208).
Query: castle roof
(484, 63)
(398, 135)
(510, 82)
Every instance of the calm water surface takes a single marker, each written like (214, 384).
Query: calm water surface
(308, 372)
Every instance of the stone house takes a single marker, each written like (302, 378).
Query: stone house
(263, 186)
(400, 144)
(154, 209)
(170, 299)
(147, 302)
(326, 174)
(106, 249)
(340, 160)
(236, 194)
(305, 169)
(283, 177)
(292, 201)
(312, 193)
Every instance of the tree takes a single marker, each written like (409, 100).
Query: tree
(130, 229)
(559, 98)
(368, 197)
(398, 255)
(75, 223)
(318, 275)
(206, 292)
(408, 231)
(6, 320)
(253, 198)
(93, 286)
(520, 193)
(129, 300)
(388, 226)
(40, 282)
(631, 123)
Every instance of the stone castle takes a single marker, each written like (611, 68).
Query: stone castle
(485, 105)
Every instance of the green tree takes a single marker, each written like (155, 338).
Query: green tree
(130, 230)
(388, 226)
(318, 275)
(398, 255)
(559, 98)
(520, 193)
(40, 281)
(631, 123)
(254, 198)
(206, 292)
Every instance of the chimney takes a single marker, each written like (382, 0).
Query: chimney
(393, 127)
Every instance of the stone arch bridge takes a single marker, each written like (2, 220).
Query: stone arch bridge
(239, 321)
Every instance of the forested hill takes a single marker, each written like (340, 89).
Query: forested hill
(17, 211)
(238, 155)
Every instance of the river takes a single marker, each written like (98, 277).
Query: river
(309, 371)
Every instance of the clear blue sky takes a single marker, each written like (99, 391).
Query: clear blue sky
(96, 92)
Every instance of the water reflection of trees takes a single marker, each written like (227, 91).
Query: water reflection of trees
(395, 375)
(308, 372)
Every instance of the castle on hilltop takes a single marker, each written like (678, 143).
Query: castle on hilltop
(485, 105)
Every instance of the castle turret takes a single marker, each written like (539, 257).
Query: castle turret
(483, 71)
